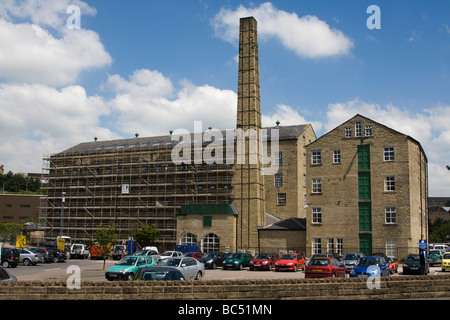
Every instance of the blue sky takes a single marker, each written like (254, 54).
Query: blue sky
(154, 66)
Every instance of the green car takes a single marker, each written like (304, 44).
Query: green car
(237, 261)
(127, 267)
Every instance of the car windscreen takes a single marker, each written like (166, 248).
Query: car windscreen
(237, 256)
(367, 262)
(446, 256)
(350, 257)
(262, 256)
(319, 262)
(413, 258)
(128, 261)
(170, 262)
(288, 257)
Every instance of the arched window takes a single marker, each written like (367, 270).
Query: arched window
(189, 239)
(210, 243)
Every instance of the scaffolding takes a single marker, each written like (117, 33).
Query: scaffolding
(128, 183)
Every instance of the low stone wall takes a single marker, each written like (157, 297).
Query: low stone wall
(404, 287)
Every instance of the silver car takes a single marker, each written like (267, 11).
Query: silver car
(6, 276)
(189, 267)
(29, 257)
(351, 260)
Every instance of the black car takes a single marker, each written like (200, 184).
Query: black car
(10, 257)
(213, 259)
(415, 264)
(58, 255)
(159, 274)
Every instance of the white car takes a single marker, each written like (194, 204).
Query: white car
(170, 254)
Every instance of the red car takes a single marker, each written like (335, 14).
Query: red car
(195, 255)
(290, 261)
(324, 268)
(264, 261)
(393, 265)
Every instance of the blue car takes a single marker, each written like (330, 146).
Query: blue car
(370, 267)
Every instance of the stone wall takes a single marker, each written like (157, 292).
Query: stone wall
(405, 287)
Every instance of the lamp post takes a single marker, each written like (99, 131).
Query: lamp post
(61, 224)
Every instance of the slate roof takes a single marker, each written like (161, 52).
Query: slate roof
(288, 224)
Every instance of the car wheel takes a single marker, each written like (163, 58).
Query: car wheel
(198, 276)
(26, 262)
(5, 264)
(241, 266)
(214, 266)
(130, 277)
(295, 268)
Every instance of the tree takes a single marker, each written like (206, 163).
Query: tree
(146, 235)
(439, 231)
(104, 240)
(9, 231)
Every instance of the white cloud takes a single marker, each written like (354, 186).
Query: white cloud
(287, 116)
(32, 54)
(149, 104)
(307, 36)
(37, 119)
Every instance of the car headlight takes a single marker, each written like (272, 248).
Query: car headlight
(236, 262)
(290, 264)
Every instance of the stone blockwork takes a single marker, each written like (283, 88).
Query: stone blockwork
(405, 287)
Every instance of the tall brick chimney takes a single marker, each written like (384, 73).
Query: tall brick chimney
(248, 184)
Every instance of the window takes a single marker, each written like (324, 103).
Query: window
(368, 131)
(207, 221)
(391, 215)
(330, 245)
(278, 180)
(316, 185)
(188, 239)
(340, 246)
(348, 132)
(279, 159)
(389, 154)
(210, 243)
(316, 245)
(281, 201)
(389, 183)
(358, 129)
(317, 215)
(316, 157)
(337, 156)
(391, 248)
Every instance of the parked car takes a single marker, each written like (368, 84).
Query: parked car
(148, 252)
(264, 261)
(170, 254)
(325, 268)
(80, 251)
(435, 257)
(213, 259)
(415, 264)
(372, 266)
(195, 255)
(290, 261)
(29, 257)
(127, 267)
(10, 257)
(351, 259)
(119, 251)
(238, 260)
(189, 267)
(319, 255)
(58, 255)
(6, 276)
(445, 265)
(46, 254)
(393, 265)
(159, 274)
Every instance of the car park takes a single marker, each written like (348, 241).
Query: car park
(127, 267)
(46, 254)
(29, 257)
(373, 266)
(6, 276)
(189, 267)
(264, 261)
(290, 261)
(393, 265)
(325, 268)
(213, 260)
(237, 260)
(10, 257)
(415, 264)
(159, 274)
(119, 251)
(79, 251)
(435, 257)
(195, 255)
(58, 255)
(170, 254)
(319, 255)
(445, 265)
(351, 259)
